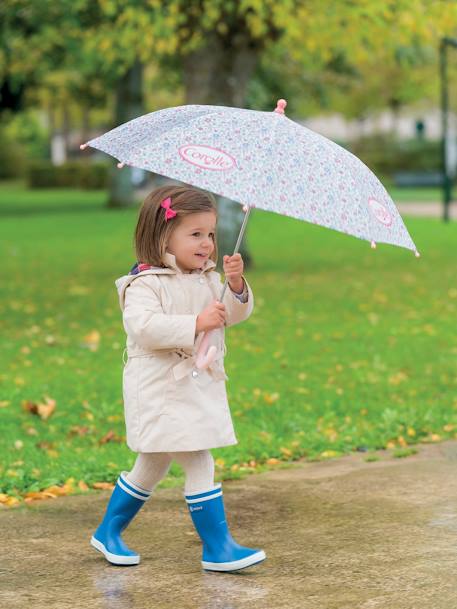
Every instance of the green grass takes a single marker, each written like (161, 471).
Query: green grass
(415, 195)
(347, 346)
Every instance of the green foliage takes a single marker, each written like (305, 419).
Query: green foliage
(386, 155)
(12, 156)
(26, 129)
(384, 50)
(77, 174)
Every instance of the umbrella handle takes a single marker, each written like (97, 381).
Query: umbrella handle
(204, 358)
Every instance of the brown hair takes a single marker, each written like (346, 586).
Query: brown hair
(153, 232)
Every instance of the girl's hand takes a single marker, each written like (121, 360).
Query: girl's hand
(211, 318)
(233, 270)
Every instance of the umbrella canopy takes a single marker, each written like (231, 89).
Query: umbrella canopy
(264, 160)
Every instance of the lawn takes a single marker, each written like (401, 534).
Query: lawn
(415, 195)
(348, 348)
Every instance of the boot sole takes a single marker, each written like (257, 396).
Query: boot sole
(235, 565)
(114, 559)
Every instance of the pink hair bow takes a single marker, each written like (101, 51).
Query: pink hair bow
(169, 213)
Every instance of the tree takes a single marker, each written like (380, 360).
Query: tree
(316, 53)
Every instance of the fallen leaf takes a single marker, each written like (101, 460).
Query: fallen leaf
(396, 379)
(329, 453)
(43, 410)
(56, 490)
(285, 451)
(78, 430)
(12, 501)
(111, 436)
(401, 440)
(91, 340)
(103, 485)
(270, 397)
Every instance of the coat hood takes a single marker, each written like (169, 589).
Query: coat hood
(171, 268)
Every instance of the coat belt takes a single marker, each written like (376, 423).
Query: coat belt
(186, 365)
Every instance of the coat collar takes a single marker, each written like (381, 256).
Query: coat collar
(171, 266)
(170, 260)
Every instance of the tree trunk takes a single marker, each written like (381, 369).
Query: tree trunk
(218, 74)
(128, 105)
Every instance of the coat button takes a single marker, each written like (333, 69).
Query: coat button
(201, 280)
(194, 374)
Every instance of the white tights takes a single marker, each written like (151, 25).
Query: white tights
(198, 466)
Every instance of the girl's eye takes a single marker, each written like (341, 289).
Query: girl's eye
(199, 233)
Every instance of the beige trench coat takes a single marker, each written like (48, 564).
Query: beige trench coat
(166, 407)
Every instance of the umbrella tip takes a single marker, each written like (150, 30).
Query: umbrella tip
(281, 104)
(373, 245)
(120, 165)
(82, 146)
(416, 253)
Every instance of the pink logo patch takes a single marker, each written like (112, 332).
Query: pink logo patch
(207, 157)
(380, 212)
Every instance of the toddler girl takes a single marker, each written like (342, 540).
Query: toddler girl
(174, 410)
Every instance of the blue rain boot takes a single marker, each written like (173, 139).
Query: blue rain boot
(220, 551)
(126, 500)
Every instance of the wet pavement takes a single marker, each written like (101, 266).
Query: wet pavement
(339, 534)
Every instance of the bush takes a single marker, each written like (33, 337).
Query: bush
(386, 156)
(72, 174)
(12, 157)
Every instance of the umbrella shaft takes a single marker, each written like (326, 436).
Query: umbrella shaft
(238, 242)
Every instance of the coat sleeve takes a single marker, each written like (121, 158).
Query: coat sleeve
(147, 324)
(236, 310)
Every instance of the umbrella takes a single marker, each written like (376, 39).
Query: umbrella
(263, 160)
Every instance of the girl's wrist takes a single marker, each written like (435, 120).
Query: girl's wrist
(237, 287)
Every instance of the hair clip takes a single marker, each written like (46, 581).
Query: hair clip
(169, 213)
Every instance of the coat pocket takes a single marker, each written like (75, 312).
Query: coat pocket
(182, 385)
(153, 381)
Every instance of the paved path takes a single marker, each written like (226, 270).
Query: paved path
(339, 534)
(426, 210)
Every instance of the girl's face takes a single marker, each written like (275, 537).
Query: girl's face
(194, 235)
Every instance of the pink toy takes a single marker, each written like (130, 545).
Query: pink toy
(205, 357)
